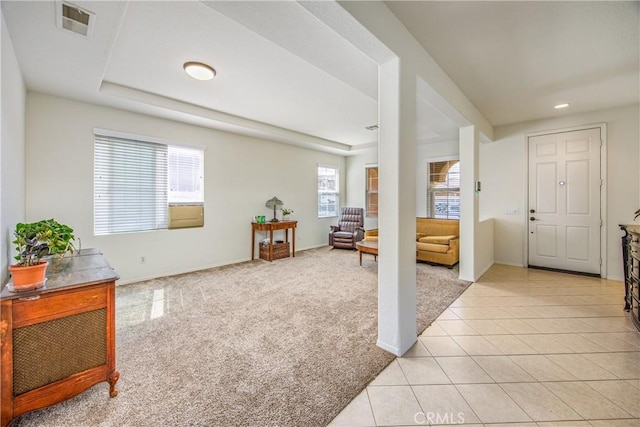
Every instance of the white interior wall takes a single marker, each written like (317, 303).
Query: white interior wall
(503, 176)
(356, 182)
(427, 153)
(12, 151)
(241, 174)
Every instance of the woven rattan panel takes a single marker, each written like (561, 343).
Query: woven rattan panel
(50, 351)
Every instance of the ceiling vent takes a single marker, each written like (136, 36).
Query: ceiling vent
(72, 18)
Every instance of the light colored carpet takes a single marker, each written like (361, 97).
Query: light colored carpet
(287, 343)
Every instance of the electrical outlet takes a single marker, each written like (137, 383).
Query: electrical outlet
(143, 259)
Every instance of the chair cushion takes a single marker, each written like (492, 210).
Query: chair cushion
(432, 247)
(343, 234)
(441, 240)
(419, 235)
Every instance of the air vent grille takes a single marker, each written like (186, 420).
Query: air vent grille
(74, 19)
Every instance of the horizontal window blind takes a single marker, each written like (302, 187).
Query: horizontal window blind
(130, 185)
(328, 191)
(443, 189)
(186, 180)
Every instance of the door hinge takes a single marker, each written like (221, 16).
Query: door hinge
(601, 222)
(600, 261)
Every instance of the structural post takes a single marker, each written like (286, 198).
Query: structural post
(469, 166)
(397, 208)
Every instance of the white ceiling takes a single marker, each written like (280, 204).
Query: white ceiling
(515, 60)
(283, 74)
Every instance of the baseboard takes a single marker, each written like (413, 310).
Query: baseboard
(391, 349)
(510, 264)
(200, 268)
(484, 270)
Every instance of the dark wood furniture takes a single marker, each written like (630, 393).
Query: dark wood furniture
(367, 248)
(631, 264)
(59, 340)
(350, 229)
(271, 227)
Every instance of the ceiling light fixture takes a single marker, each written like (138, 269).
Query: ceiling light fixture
(199, 71)
(560, 106)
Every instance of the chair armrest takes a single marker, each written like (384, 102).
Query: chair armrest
(334, 228)
(454, 245)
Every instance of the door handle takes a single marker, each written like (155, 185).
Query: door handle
(533, 218)
(532, 211)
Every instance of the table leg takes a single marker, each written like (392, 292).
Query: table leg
(293, 244)
(253, 244)
(360, 252)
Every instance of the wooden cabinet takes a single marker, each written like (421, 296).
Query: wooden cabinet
(271, 227)
(631, 264)
(59, 340)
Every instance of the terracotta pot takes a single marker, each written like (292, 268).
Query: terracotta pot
(29, 277)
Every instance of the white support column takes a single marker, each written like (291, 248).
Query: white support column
(397, 208)
(469, 167)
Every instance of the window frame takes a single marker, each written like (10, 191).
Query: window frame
(111, 226)
(323, 192)
(369, 192)
(429, 210)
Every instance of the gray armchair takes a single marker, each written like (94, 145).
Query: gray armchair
(350, 229)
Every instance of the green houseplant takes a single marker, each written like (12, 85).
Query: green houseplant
(286, 212)
(33, 241)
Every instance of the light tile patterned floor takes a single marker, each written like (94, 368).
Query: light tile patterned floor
(520, 347)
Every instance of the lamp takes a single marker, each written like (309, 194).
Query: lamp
(273, 203)
(199, 71)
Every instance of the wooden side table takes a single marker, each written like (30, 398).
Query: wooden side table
(59, 340)
(271, 227)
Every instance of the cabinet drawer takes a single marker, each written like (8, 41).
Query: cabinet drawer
(48, 307)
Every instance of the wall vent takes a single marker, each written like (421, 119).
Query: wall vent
(72, 18)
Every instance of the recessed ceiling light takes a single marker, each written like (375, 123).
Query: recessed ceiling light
(199, 71)
(559, 106)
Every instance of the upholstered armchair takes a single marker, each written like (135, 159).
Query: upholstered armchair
(350, 229)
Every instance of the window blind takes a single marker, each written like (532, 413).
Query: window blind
(130, 185)
(186, 181)
(443, 189)
(328, 191)
(372, 191)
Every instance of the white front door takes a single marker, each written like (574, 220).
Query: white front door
(564, 201)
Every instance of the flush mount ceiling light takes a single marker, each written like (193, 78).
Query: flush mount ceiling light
(199, 71)
(560, 106)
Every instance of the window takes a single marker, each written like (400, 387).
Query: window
(372, 191)
(443, 190)
(328, 194)
(136, 180)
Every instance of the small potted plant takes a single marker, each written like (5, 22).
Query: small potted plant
(286, 213)
(34, 241)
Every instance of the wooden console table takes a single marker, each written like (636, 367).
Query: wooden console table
(631, 265)
(271, 227)
(59, 340)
